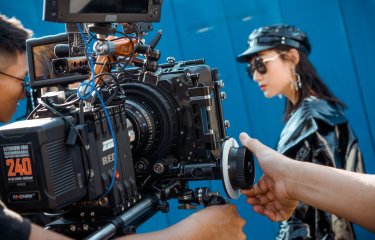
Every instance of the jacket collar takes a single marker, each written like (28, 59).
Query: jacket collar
(303, 122)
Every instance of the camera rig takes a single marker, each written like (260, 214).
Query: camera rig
(109, 154)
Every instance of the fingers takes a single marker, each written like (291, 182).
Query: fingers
(248, 192)
(272, 209)
(271, 213)
(263, 210)
(233, 212)
(265, 199)
(268, 209)
(252, 144)
(276, 216)
(258, 200)
(258, 209)
(260, 188)
(222, 221)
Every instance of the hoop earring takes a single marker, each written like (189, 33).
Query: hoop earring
(296, 85)
(299, 83)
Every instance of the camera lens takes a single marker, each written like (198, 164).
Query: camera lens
(153, 118)
(143, 123)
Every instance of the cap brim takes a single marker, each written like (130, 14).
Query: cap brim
(245, 56)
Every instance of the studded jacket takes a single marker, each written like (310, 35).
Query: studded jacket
(318, 132)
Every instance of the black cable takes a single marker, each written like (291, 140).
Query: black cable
(33, 111)
(65, 104)
(115, 90)
(71, 96)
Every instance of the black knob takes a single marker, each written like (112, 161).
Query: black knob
(164, 207)
(154, 54)
(215, 200)
(152, 66)
(241, 167)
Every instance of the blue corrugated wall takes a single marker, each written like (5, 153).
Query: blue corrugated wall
(342, 33)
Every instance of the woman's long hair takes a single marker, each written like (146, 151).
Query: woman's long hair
(312, 85)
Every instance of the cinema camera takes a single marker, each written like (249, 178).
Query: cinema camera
(109, 154)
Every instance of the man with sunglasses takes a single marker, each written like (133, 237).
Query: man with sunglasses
(13, 67)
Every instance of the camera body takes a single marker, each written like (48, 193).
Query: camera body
(128, 139)
(47, 168)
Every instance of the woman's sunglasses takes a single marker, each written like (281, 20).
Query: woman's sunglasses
(259, 64)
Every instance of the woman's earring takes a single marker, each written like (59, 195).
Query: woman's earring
(296, 85)
(299, 83)
(293, 85)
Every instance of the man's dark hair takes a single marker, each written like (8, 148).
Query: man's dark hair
(13, 38)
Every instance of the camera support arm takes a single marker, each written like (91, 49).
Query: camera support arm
(105, 51)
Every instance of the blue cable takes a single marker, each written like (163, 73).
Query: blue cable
(88, 94)
(114, 143)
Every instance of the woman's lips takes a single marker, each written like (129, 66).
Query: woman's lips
(262, 87)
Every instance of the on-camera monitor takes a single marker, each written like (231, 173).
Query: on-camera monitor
(40, 56)
(108, 6)
(99, 11)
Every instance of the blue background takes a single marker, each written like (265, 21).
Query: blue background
(342, 34)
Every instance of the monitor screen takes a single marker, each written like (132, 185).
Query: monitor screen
(108, 6)
(40, 56)
(42, 61)
(98, 11)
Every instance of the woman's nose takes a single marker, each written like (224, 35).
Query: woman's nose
(256, 76)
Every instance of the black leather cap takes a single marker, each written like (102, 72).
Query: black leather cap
(268, 37)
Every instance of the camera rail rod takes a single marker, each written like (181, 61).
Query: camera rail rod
(127, 218)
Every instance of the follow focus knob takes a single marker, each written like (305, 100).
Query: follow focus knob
(237, 168)
(241, 167)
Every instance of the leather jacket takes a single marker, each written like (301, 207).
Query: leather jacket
(318, 132)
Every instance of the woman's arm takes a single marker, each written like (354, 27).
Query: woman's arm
(346, 194)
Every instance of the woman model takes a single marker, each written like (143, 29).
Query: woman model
(316, 129)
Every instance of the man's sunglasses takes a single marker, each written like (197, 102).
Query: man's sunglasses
(259, 64)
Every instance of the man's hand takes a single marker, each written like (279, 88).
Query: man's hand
(269, 196)
(219, 222)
